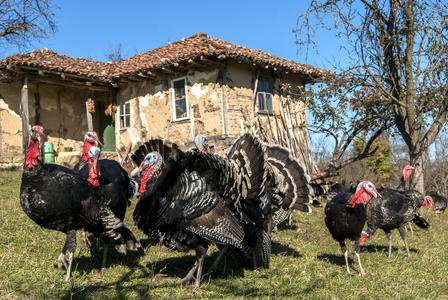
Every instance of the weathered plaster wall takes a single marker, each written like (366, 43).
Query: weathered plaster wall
(205, 102)
(151, 100)
(61, 111)
(10, 121)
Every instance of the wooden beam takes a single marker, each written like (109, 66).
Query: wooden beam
(67, 83)
(25, 117)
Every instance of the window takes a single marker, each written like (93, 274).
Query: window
(264, 93)
(180, 100)
(125, 115)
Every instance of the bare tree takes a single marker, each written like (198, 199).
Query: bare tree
(436, 174)
(25, 21)
(115, 53)
(397, 51)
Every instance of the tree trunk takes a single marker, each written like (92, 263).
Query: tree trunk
(417, 179)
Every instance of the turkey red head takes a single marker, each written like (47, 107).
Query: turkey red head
(33, 152)
(407, 171)
(151, 163)
(201, 143)
(364, 192)
(94, 166)
(90, 139)
(428, 201)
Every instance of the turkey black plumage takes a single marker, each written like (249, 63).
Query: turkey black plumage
(57, 198)
(337, 188)
(286, 189)
(112, 181)
(257, 221)
(114, 184)
(345, 217)
(440, 203)
(193, 199)
(394, 210)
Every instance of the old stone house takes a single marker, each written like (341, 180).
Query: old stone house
(196, 85)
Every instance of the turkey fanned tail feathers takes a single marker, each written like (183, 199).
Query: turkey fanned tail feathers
(165, 147)
(292, 174)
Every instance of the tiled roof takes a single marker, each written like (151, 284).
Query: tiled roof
(202, 45)
(194, 47)
(55, 62)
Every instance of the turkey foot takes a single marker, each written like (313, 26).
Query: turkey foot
(62, 261)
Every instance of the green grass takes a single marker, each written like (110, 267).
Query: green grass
(306, 264)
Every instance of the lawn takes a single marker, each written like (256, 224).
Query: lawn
(306, 264)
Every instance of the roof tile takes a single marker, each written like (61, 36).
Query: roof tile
(184, 50)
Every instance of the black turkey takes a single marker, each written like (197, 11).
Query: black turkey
(393, 211)
(439, 203)
(345, 217)
(114, 184)
(57, 198)
(193, 199)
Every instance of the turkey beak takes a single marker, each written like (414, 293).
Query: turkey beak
(376, 194)
(98, 141)
(39, 140)
(141, 167)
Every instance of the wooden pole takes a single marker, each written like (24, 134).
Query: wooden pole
(138, 119)
(88, 114)
(25, 117)
(254, 99)
(225, 116)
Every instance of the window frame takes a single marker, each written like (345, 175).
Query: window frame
(122, 114)
(173, 94)
(265, 79)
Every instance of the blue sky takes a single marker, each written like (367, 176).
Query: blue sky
(88, 28)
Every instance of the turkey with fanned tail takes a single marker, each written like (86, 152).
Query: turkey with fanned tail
(58, 198)
(193, 199)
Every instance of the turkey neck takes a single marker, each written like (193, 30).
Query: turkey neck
(32, 154)
(85, 150)
(94, 171)
(150, 174)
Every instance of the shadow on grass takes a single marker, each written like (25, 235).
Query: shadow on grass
(385, 249)
(157, 274)
(338, 259)
(282, 249)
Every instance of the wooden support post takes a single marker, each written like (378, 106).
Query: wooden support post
(138, 119)
(25, 117)
(225, 116)
(254, 98)
(88, 114)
